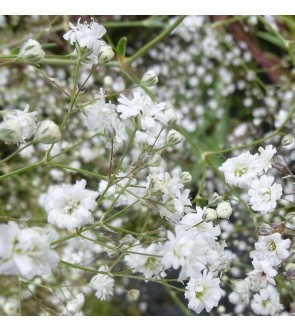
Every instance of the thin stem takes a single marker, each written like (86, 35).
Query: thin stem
(22, 170)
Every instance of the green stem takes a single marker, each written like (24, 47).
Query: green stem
(14, 153)
(22, 170)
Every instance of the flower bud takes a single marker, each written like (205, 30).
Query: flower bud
(134, 294)
(290, 274)
(10, 131)
(265, 230)
(214, 199)
(290, 217)
(31, 52)
(287, 140)
(209, 215)
(185, 178)
(155, 161)
(149, 78)
(47, 132)
(224, 210)
(279, 227)
(171, 116)
(105, 54)
(174, 137)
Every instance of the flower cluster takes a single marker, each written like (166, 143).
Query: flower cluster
(248, 171)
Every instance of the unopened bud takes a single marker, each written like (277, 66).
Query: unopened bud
(287, 140)
(279, 227)
(174, 137)
(149, 78)
(171, 116)
(47, 132)
(105, 54)
(290, 274)
(209, 215)
(214, 199)
(31, 52)
(290, 217)
(134, 294)
(185, 178)
(224, 210)
(10, 131)
(155, 161)
(265, 230)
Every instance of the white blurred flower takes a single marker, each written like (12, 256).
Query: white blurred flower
(27, 251)
(267, 302)
(103, 284)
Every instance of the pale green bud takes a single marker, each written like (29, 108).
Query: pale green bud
(10, 131)
(290, 217)
(224, 210)
(185, 178)
(155, 161)
(149, 78)
(31, 52)
(105, 54)
(214, 199)
(209, 215)
(287, 140)
(47, 132)
(174, 137)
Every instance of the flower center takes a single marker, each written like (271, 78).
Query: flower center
(272, 246)
(240, 171)
(200, 294)
(71, 207)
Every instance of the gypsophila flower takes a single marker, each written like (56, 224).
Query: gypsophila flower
(203, 293)
(26, 251)
(267, 302)
(146, 261)
(272, 248)
(69, 206)
(263, 273)
(103, 284)
(264, 194)
(224, 210)
(265, 158)
(240, 295)
(239, 171)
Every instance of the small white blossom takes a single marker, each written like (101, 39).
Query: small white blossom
(69, 206)
(203, 293)
(224, 210)
(263, 273)
(265, 158)
(239, 171)
(272, 248)
(103, 284)
(27, 251)
(240, 295)
(263, 194)
(267, 302)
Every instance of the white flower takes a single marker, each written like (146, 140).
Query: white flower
(271, 248)
(103, 284)
(31, 51)
(224, 210)
(74, 306)
(47, 132)
(263, 273)
(192, 219)
(178, 247)
(27, 251)
(69, 206)
(267, 302)
(263, 194)
(239, 171)
(241, 295)
(86, 35)
(146, 261)
(148, 112)
(265, 158)
(203, 293)
(26, 120)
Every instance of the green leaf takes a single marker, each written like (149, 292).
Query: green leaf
(271, 38)
(121, 47)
